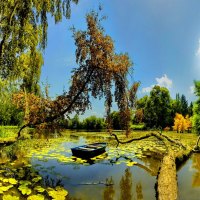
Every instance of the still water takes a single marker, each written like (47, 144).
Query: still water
(110, 176)
(117, 174)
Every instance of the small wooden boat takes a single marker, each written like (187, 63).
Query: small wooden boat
(89, 150)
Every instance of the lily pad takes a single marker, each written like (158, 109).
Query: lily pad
(24, 189)
(9, 197)
(36, 179)
(58, 194)
(5, 188)
(25, 183)
(12, 181)
(39, 189)
(36, 197)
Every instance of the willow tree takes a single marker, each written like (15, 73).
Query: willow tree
(23, 30)
(99, 70)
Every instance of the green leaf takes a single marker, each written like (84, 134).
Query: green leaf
(24, 189)
(39, 189)
(36, 179)
(22, 182)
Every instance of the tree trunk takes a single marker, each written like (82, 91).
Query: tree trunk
(167, 187)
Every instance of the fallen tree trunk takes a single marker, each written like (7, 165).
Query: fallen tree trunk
(167, 187)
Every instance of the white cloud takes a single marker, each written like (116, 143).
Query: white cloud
(192, 89)
(198, 50)
(164, 81)
(147, 89)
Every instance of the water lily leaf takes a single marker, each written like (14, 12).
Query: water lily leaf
(25, 183)
(12, 181)
(36, 197)
(130, 164)
(5, 188)
(24, 189)
(58, 194)
(5, 180)
(9, 197)
(39, 189)
(36, 179)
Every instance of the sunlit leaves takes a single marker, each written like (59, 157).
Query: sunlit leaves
(36, 197)
(24, 189)
(181, 123)
(57, 194)
(39, 189)
(9, 197)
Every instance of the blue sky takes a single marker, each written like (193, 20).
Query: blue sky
(162, 38)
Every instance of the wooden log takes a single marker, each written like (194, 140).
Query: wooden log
(167, 187)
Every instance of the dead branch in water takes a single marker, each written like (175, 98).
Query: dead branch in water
(159, 136)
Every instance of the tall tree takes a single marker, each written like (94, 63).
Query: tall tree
(184, 105)
(157, 110)
(99, 67)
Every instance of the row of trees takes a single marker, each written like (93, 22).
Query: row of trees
(89, 123)
(159, 109)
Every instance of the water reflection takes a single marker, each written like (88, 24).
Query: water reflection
(196, 166)
(189, 179)
(109, 191)
(139, 191)
(126, 185)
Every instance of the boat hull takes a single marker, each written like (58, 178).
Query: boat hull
(89, 151)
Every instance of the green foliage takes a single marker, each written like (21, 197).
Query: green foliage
(93, 123)
(23, 28)
(157, 111)
(180, 105)
(9, 113)
(6, 132)
(115, 118)
(138, 126)
(196, 108)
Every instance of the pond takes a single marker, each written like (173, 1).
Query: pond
(120, 173)
(108, 176)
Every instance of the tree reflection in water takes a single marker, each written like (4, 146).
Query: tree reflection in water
(196, 175)
(126, 185)
(139, 191)
(126, 188)
(109, 191)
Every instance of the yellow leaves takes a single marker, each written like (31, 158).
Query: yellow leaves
(24, 190)
(5, 188)
(36, 197)
(9, 197)
(39, 189)
(12, 181)
(180, 123)
(130, 164)
(58, 194)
